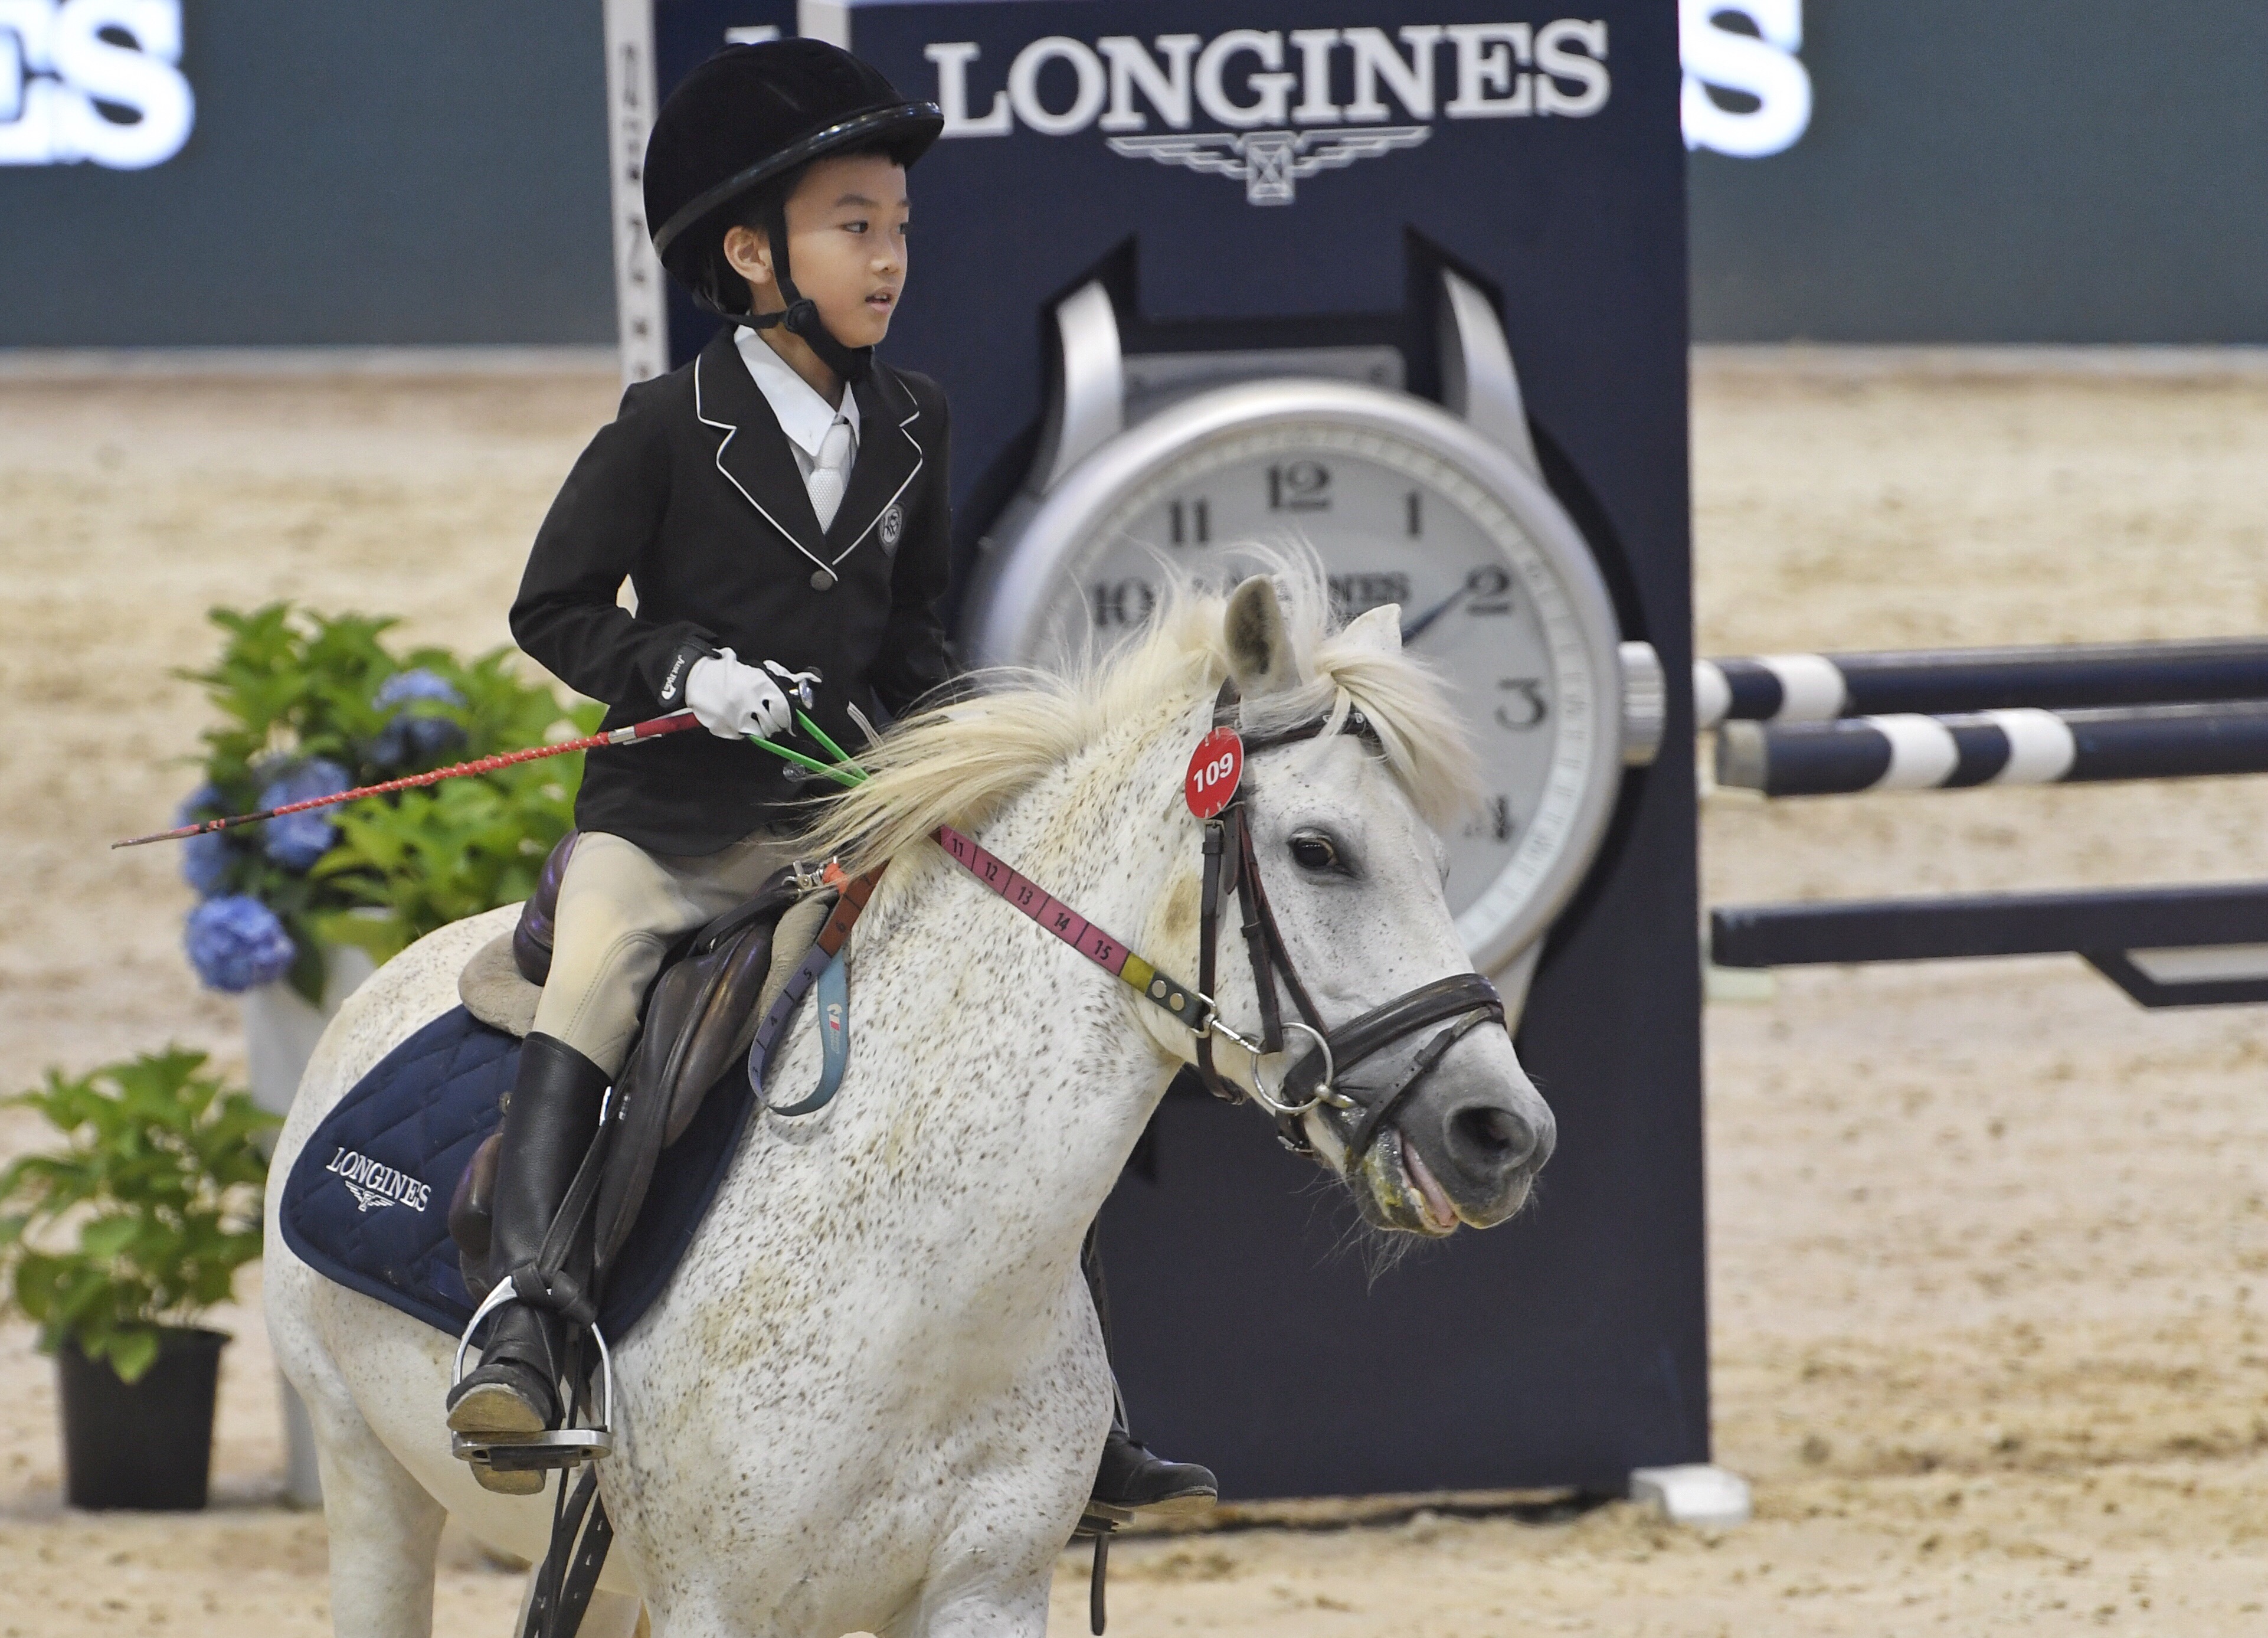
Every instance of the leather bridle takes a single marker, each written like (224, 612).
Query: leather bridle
(1461, 1002)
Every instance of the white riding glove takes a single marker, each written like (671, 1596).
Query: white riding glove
(733, 700)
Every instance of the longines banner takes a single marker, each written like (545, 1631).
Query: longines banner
(229, 173)
(1951, 171)
(1900, 170)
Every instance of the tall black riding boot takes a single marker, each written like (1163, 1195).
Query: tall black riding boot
(548, 1126)
(1131, 1479)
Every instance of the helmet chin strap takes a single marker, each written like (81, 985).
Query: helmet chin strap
(800, 316)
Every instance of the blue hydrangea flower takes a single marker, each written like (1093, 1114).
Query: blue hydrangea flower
(204, 858)
(412, 736)
(296, 841)
(416, 685)
(408, 740)
(236, 943)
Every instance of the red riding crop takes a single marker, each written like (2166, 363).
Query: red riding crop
(637, 731)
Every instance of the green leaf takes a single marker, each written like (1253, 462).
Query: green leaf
(107, 1236)
(132, 1354)
(383, 937)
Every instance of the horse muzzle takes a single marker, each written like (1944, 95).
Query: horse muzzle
(1465, 1148)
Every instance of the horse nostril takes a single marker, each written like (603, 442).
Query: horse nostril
(1492, 1135)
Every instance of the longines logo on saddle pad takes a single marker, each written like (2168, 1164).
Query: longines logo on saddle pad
(376, 1185)
(1272, 88)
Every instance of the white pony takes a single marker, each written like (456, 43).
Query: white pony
(873, 1395)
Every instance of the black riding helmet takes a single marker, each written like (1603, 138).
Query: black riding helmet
(744, 120)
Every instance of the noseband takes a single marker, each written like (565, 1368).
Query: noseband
(1462, 1002)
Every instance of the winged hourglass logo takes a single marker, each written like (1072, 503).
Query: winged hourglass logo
(1270, 164)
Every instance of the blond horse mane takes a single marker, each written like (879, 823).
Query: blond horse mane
(959, 764)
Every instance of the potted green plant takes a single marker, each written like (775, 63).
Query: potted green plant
(114, 1244)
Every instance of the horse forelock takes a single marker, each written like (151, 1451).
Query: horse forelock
(961, 763)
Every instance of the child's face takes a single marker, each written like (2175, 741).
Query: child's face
(846, 235)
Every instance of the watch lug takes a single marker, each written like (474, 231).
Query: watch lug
(1645, 703)
(1087, 406)
(1512, 981)
(1478, 380)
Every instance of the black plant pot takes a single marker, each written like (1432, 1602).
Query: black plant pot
(146, 1443)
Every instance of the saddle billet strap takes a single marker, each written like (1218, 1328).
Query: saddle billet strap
(1372, 1032)
(1375, 1117)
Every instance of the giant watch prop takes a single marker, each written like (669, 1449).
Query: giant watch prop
(1441, 509)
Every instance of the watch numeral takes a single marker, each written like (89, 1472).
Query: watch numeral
(1122, 603)
(1494, 820)
(1414, 509)
(1360, 592)
(1490, 589)
(1300, 486)
(1527, 708)
(1190, 522)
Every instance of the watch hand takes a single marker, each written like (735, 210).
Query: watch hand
(1412, 629)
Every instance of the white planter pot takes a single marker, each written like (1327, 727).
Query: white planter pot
(280, 1029)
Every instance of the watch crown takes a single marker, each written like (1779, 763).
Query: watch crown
(1645, 703)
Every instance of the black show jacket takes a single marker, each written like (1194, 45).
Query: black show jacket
(692, 493)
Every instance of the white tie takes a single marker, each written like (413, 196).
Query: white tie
(830, 473)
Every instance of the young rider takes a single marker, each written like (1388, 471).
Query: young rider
(780, 508)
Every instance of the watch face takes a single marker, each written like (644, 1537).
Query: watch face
(1405, 506)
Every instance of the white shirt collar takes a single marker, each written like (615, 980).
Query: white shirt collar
(803, 416)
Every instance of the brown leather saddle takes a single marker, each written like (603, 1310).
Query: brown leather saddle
(699, 1019)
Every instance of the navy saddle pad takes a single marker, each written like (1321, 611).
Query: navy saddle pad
(367, 1202)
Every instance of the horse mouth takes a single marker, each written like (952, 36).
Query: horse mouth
(1403, 1193)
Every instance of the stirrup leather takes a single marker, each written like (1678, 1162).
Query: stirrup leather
(556, 1447)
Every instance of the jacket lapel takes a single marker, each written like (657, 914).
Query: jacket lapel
(889, 460)
(752, 452)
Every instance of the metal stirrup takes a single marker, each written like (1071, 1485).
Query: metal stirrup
(556, 1447)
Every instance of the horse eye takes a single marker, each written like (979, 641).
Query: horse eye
(1314, 852)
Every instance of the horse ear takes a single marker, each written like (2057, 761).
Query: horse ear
(1378, 629)
(1259, 655)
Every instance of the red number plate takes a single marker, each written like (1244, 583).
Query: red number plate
(1216, 770)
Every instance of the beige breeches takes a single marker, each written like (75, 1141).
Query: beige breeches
(619, 908)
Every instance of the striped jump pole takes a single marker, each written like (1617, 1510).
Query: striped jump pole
(1905, 751)
(1818, 688)
(2165, 947)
